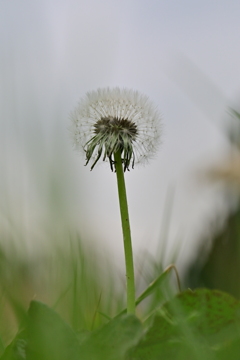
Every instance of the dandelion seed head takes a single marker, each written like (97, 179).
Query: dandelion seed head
(111, 120)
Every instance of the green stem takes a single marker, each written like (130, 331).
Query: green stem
(126, 233)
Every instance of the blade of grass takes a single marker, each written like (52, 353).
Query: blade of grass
(156, 283)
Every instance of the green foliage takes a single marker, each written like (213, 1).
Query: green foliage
(113, 340)
(49, 337)
(220, 267)
(192, 325)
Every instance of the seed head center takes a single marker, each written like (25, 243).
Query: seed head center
(119, 127)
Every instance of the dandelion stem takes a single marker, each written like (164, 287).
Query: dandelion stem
(126, 233)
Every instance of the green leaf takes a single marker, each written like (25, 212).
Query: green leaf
(113, 340)
(193, 325)
(49, 337)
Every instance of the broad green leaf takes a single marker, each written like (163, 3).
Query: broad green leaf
(193, 325)
(49, 337)
(113, 340)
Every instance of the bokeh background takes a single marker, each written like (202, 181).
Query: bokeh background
(185, 56)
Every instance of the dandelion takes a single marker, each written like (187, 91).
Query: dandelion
(123, 127)
(112, 120)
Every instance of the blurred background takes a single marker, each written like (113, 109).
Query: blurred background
(59, 223)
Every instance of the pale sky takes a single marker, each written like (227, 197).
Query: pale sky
(184, 55)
